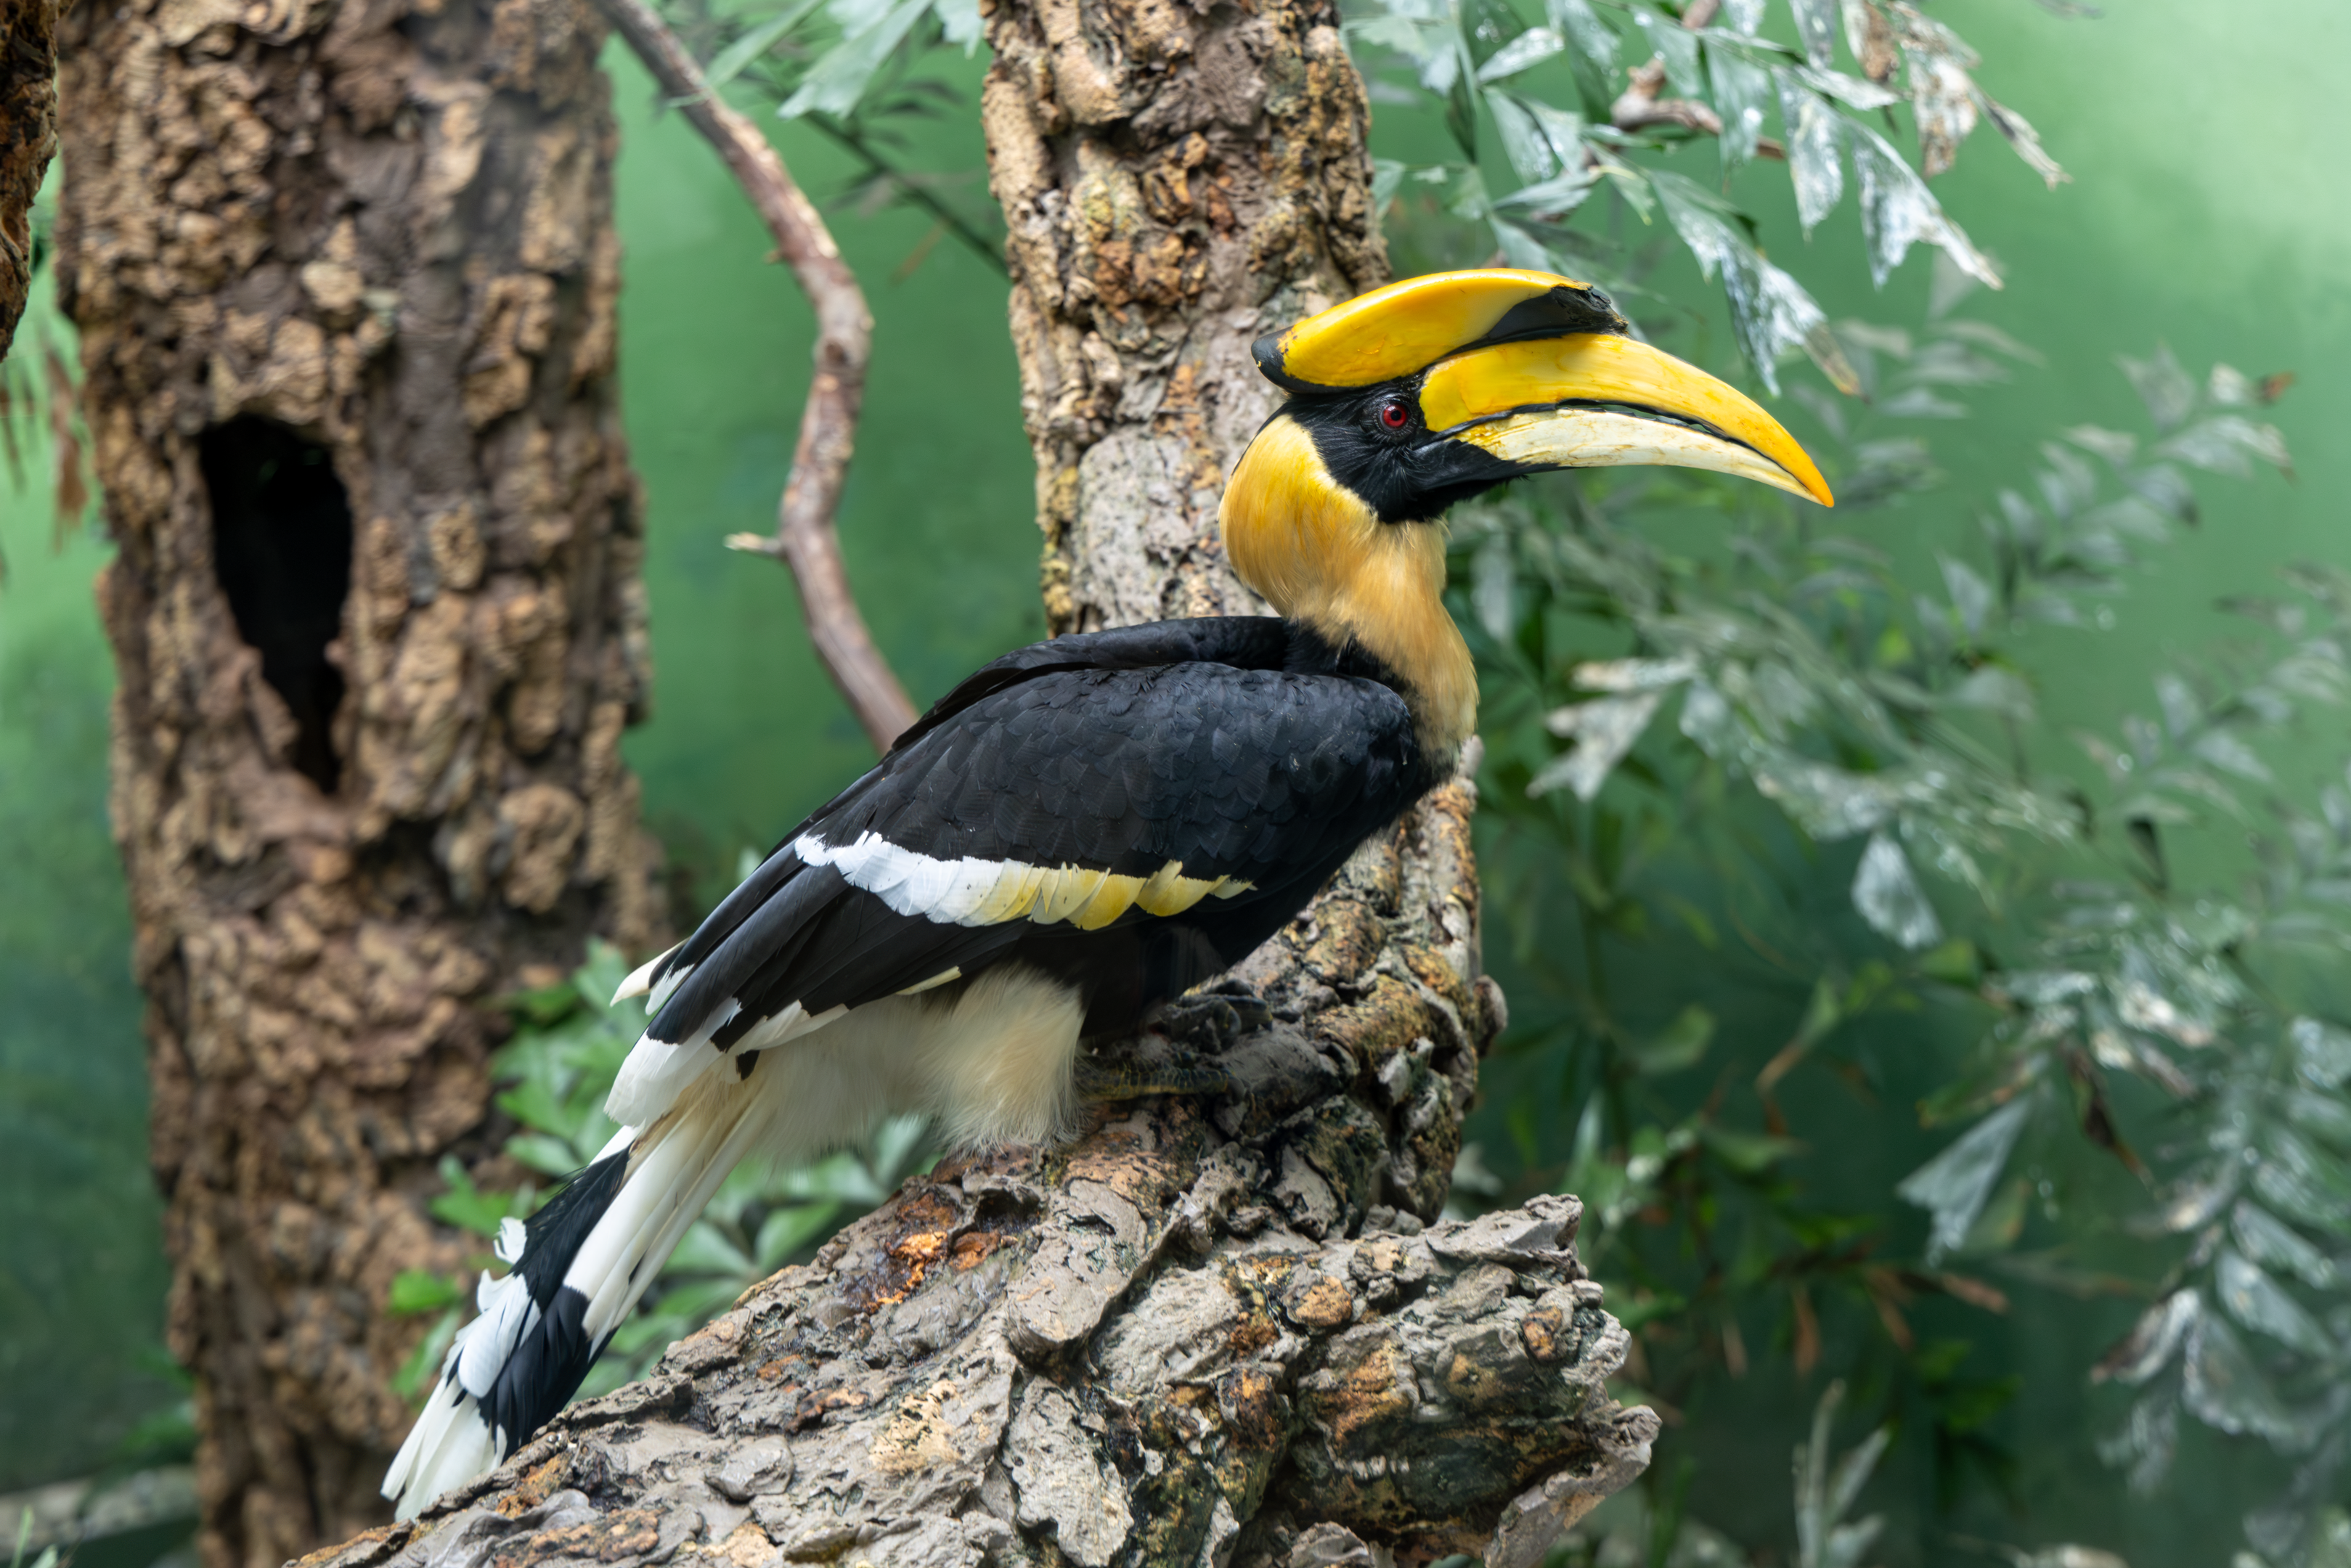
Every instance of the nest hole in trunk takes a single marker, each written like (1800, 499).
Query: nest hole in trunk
(282, 546)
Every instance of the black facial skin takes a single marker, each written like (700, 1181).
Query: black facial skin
(1400, 470)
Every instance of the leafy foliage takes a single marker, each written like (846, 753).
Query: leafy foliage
(1676, 738)
(857, 71)
(1785, 685)
(1576, 126)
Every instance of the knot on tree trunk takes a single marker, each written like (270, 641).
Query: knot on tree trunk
(1214, 1330)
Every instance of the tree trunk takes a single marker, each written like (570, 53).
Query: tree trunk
(1214, 1330)
(29, 135)
(345, 276)
(1174, 181)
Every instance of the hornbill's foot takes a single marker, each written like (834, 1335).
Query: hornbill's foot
(1099, 1080)
(1213, 1019)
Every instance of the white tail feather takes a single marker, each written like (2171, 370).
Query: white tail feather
(992, 1061)
(671, 1176)
(657, 1074)
(641, 979)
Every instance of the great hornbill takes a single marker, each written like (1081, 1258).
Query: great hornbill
(1095, 825)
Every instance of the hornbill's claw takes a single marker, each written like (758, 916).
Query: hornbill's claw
(1212, 1021)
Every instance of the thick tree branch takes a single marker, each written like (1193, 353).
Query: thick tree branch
(804, 537)
(1217, 1330)
(29, 135)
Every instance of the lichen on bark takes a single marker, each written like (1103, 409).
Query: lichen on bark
(344, 276)
(1175, 180)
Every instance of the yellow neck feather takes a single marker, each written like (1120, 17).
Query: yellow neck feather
(1318, 555)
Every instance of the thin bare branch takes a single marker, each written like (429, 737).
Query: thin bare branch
(1639, 107)
(804, 537)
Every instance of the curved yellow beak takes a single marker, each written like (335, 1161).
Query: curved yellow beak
(1596, 400)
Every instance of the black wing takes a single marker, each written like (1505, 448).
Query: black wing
(1131, 820)
(1242, 641)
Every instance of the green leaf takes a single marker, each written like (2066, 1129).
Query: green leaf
(415, 1375)
(838, 79)
(959, 23)
(2225, 1388)
(1748, 1153)
(1556, 197)
(1898, 210)
(1415, 40)
(1523, 141)
(730, 63)
(1953, 1186)
(1887, 893)
(1815, 149)
(415, 1291)
(1854, 92)
(705, 1249)
(1955, 963)
(2001, 1222)
(1461, 115)
(1816, 25)
(1526, 51)
(1593, 40)
(1741, 88)
(2259, 1303)
(1769, 311)
(1677, 47)
(549, 1155)
(2020, 135)
(1681, 1044)
(1633, 186)
(533, 1103)
(789, 1230)
(545, 1007)
(2323, 1052)
(1489, 27)
(469, 1208)
(1603, 730)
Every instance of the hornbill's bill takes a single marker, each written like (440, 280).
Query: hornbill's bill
(1089, 828)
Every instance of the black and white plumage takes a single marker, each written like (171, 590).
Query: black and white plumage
(1093, 825)
(1082, 829)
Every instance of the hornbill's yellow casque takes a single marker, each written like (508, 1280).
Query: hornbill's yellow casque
(1089, 827)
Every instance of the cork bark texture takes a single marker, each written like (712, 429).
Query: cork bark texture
(1176, 178)
(345, 276)
(1213, 1331)
(28, 136)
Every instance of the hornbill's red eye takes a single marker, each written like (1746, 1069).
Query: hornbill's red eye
(1393, 414)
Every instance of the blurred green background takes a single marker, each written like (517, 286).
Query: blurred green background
(2223, 233)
